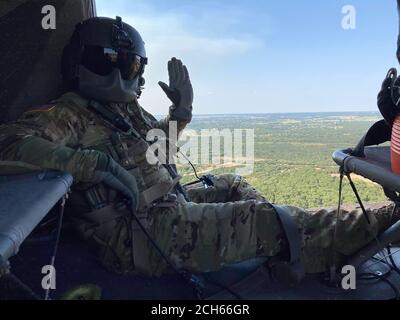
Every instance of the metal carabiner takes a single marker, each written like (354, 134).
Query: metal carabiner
(394, 88)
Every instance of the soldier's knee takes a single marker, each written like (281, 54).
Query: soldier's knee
(227, 179)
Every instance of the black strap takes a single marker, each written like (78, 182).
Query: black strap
(379, 133)
(292, 233)
(392, 195)
(289, 273)
(113, 117)
(388, 97)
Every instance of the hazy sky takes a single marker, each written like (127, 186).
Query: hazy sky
(261, 56)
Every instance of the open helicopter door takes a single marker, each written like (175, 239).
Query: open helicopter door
(30, 54)
(374, 163)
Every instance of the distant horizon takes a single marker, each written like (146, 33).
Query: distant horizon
(280, 113)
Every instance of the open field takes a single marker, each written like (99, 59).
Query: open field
(293, 163)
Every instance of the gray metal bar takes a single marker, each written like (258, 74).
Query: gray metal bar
(368, 168)
(339, 156)
(390, 236)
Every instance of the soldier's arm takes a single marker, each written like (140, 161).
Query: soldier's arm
(180, 125)
(166, 123)
(48, 139)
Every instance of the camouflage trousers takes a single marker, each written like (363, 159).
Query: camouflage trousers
(232, 222)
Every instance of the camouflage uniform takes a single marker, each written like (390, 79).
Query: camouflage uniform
(224, 224)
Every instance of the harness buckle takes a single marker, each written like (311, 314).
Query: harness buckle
(170, 197)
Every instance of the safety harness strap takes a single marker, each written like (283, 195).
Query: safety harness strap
(379, 133)
(292, 272)
(157, 192)
(291, 231)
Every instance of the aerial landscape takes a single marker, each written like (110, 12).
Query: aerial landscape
(197, 158)
(293, 155)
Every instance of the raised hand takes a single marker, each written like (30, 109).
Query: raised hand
(179, 91)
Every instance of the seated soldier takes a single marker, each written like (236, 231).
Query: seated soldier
(97, 132)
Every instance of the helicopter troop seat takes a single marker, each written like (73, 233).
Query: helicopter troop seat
(371, 159)
(375, 166)
(25, 200)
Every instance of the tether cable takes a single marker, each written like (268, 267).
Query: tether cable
(57, 241)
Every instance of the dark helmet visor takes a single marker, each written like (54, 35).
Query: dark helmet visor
(130, 64)
(102, 61)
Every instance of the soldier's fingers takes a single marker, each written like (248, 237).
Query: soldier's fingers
(115, 184)
(167, 90)
(171, 72)
(186, 72)
(130, 191)
(182, 72)
(175, 65)
(390, 78)
(163, 86)
(387, 83)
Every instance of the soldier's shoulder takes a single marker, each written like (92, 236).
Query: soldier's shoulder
(42, 108)
(70, 102)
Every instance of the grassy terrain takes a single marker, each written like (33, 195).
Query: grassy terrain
(293, 163)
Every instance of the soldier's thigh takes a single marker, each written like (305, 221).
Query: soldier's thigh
(205, 237)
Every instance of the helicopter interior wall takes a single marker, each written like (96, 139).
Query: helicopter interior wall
(30, 55)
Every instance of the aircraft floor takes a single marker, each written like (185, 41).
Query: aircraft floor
(76, 265)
